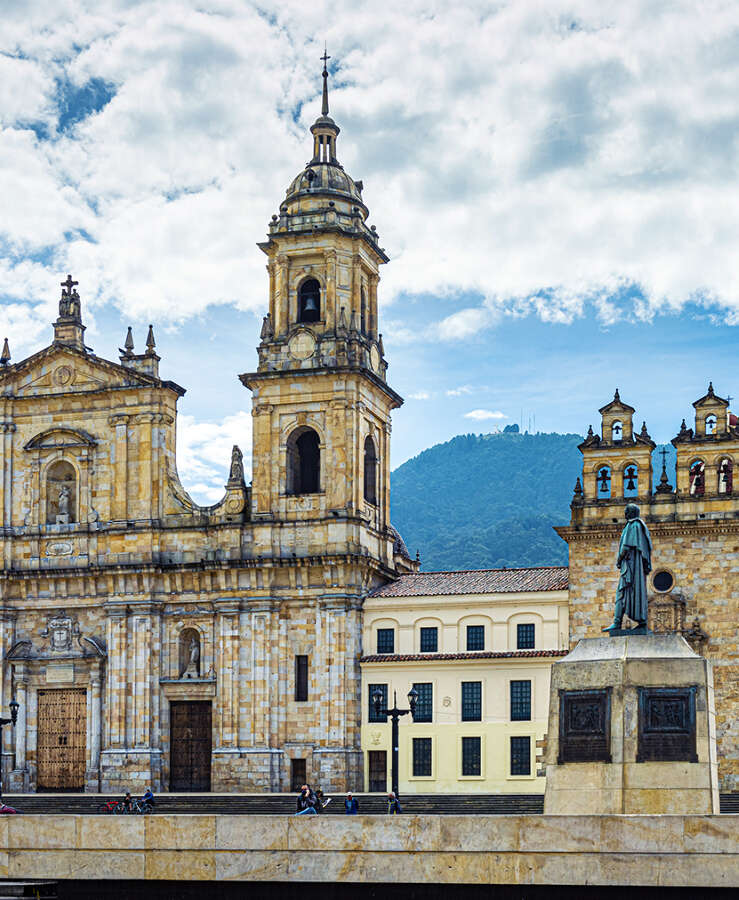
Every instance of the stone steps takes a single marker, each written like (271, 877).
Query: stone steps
(284, 804)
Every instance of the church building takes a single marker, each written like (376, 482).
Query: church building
(694, 525)
(152, 641)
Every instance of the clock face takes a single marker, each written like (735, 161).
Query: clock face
(375, 359)
(301, 345)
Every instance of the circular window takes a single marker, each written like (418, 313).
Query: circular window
(663, 582)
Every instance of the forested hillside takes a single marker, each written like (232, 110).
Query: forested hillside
(490, 500)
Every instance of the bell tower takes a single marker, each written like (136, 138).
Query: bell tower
(321, 402)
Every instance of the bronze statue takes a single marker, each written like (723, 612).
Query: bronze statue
(635, 563)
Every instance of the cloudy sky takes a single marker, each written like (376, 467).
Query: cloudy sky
(555, 183)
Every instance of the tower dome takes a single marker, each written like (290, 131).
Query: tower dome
(324, 184)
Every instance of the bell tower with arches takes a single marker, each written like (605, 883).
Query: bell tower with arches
(321, 401)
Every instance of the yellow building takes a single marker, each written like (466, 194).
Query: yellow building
(478, 647)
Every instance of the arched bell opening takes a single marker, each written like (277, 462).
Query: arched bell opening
(603, 483)
(697, 478)
(631, 480)
(303, 462)
(726, 475)
(309, 301)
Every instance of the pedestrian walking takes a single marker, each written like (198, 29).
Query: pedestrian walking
(351, 804)
(393, 805)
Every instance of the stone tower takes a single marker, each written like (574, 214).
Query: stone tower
(321, 401)
(695, 530)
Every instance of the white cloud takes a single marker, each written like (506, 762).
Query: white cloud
(545, 160)
(458, 392)
(482, 414)
(204, 453)
(420, 395)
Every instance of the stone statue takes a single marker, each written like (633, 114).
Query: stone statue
(237, 465)
(63, 502)
(635, 563)
(192, 670)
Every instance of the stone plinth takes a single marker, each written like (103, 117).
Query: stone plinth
(632, 729)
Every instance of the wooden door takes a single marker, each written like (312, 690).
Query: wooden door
(378, 770)
(190, 743)
(62, 739)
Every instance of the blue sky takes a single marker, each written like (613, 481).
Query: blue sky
(555, 186)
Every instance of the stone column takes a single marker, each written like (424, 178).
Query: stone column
(374, 280)
(7, 478)
(331, 316)
(21, 695)
(115, 693)
(281, 314)
(227, 672)
(119, 493)
(265, 457)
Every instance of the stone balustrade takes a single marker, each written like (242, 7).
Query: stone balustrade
(634, 850)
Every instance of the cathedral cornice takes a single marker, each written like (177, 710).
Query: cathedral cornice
(701, 527)
(252, 379)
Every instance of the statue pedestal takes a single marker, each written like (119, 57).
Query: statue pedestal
(632, 729)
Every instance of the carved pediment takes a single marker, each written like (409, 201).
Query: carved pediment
(54, 438)
(61, 369)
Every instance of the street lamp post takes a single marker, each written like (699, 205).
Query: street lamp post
(395, 714)
(14, 705)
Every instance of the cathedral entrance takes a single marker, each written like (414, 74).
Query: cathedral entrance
(62, 739)
(190, 743)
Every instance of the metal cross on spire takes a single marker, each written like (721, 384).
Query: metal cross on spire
(324, 105)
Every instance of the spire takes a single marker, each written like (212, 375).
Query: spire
(617, 397)
(5, 358)
(324, 104)
(150, 342)
(128, 343)
(324, 129)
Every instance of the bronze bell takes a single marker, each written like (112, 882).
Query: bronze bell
(310, 304)
(630, 484)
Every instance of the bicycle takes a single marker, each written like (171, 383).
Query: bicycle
(109, 807)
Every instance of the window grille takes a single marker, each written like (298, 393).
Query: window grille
(421, 757)
(425, 702)
(525, 637)
(429, 640)
(520, 755)
(386, 640)
(471, 701)
(475, 637)
(471, 755)
(373, 717)
(520, 701)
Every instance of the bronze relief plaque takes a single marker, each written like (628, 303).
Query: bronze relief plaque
(667, 724)
(585, 726)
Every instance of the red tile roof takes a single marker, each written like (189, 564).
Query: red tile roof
(480, 654)
(477, 581)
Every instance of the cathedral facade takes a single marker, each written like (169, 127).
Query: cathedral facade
(694, 524)
(152, 641)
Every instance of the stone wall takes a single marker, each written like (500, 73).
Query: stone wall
(697, 851)
(703, 558)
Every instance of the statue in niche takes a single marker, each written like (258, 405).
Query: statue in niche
(61, 484)
(192, 669)
(634, 563)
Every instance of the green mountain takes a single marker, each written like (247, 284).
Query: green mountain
(487, 500)
(483, 501)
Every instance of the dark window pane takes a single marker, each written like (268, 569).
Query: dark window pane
(520, 756)
(525, 637)
(429, 640)
(520, 701)
(301, 678)
(471, 701)
(421, 757)
(475, 637)
(386, 640)
(373, 717)
(297, 774)
(370, 471)
(425, 703)
(471, 756)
